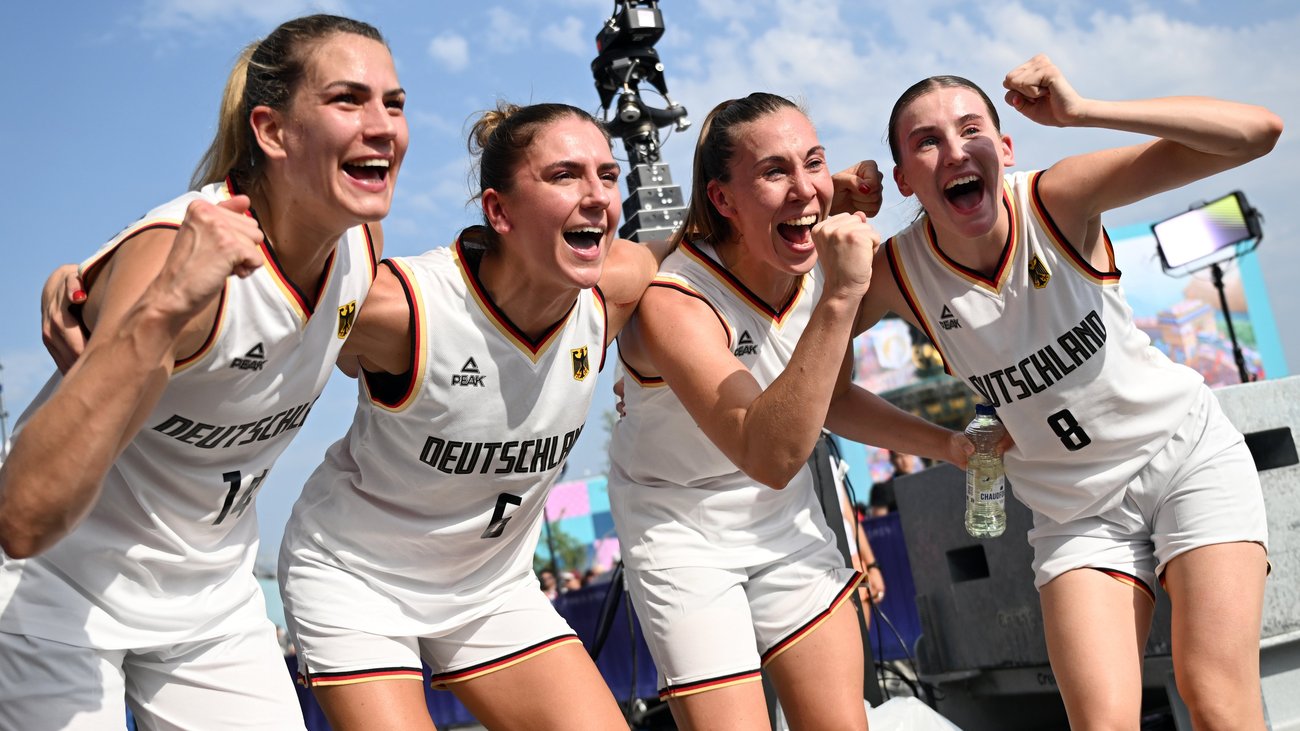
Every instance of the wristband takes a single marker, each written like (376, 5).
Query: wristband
(872, 565)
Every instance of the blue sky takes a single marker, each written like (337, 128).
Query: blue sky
(115, 102)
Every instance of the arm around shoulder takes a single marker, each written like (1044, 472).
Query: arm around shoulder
(629, 269)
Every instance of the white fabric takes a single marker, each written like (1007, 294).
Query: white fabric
(1201, 489)
(1063, 362)
(675, 498)
(166, 554)
(238, 682)
(426, 515)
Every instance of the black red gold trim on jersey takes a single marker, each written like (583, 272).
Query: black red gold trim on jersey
(442, 680)
(352, 677)
(642, 380)
(680, 286)
(302, 304)
(381, 387)
(1003, 270)
(530, 347)
(1063, 245)
(746, 295)
(90, 270)
(906, 289)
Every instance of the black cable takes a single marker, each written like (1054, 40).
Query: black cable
(929, 696)
(631, 642)
(608, 605)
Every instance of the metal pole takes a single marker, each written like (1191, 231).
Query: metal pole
(1217, 273)
(4, 419)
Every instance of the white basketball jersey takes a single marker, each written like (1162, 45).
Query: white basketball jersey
(676, 499)
(166, 554)
(434, 498)
(1049, 342)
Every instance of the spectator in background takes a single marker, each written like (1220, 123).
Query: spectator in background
(569, 581)
(550, 588)
(883, 499)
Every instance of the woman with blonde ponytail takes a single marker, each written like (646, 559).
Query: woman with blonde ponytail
(126, 513)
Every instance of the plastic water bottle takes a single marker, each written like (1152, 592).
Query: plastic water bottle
(986, 482)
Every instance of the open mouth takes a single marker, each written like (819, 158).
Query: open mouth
(965, 193)
(587, 237)
(797, 230)
(374, 170)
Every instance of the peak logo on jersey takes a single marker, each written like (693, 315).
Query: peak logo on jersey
(468, 376)
(745, 346)
(253, 360)
(347, 317)
(581, 366)
(1038, 273)
(947, 320)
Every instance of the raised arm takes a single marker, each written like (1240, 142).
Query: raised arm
(1196, 137)
(767, 433)
(154, 301)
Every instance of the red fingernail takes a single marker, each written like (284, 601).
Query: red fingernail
(864, 188)
(78, 297)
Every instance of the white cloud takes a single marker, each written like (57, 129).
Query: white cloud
(202, 16)
(450, 50)
(850, 60)
(571, 36)
(507, 31)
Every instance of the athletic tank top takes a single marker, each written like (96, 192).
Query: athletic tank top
(1050, 342)
(166, 554)
(676, 499)
(435, 496)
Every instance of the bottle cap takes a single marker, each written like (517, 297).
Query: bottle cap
(984, 410)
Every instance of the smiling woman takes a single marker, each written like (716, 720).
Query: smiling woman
(736, 359)
(1133, 473)
(128, 567)
(414, 540)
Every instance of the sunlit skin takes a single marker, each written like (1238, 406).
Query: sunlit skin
(946, 136)
(341, 141)
(778, 174)
(556, 223)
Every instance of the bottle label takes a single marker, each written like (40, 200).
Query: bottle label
(985, 483)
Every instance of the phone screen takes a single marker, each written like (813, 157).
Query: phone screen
(1201, 232)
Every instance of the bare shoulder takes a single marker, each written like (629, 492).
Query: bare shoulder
(381, 335)
(629, 267)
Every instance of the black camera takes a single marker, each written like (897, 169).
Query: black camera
(654, 207)
(626, 57)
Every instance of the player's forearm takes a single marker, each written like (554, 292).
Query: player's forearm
(52, 476)
(783, 423)
(1212, 126)
(864, 417)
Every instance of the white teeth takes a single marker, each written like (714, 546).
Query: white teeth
(807, 220)
(961, 181)
(586, 230)
(374, 162)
